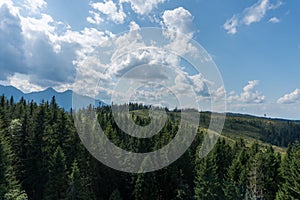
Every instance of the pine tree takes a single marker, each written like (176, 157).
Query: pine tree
(232, 191)
(10, 189)
(3, 171)
(255, 189)
(269, 164)
(238, 172)
(76, 189)
(290, 188)
(223, 158)
(145, 187)
(115, 195)
(207, 184)
(56, 187)
(19, 141)
(36, 164)
(182, 191)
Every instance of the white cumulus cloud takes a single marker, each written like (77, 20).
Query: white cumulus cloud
(274, 20)
(22, 82)
(95, 18)
(231, 25)
(143, 7)
(252, 14)
(249, 94)
(256, 12)
(179, 27)
(44, 51)
(292, 97)
(110, 9)
(179, 20)
(35, 6)
(134, 26)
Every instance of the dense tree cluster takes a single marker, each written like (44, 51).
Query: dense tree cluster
(274, 131)
(42, 157)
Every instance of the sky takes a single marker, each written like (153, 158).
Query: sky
(254, 44)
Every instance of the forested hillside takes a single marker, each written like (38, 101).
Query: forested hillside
(42, 157)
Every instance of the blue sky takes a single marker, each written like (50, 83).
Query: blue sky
(254, 43)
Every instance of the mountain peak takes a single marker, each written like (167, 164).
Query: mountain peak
(50, 89)
(63, 99)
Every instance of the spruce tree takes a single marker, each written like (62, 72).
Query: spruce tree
(146, 187)
(255, 188)
(10, 189)
(3, 170)
(56, 187)
(207, 184)
(18, 141)
(290, 188)
(115, 195)
(76, 189)
(36, 165)
(182, 191)
(238, 171)
(270, 164)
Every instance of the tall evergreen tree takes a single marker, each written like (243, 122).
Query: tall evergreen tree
(76, 189)
(3, 170)
(238, 172)
(37, 164)
(115, 195)
(56, 187)
(255, 189)
(10, 189)
(269, 168)
(290, 188)
(207, 184)
(146, 187)
(19, 143)
(182, 191)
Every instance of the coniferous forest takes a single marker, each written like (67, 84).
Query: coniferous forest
(42, 157)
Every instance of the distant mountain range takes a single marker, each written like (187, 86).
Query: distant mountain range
(63, 99)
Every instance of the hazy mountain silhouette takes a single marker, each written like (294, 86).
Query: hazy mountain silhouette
(63, 99)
